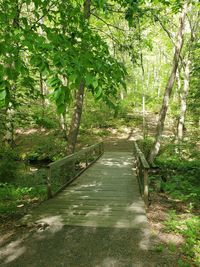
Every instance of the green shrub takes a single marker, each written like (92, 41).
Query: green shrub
(14, 198)
(46, 122)
(50, 149)
(9, 166)
(145, 145)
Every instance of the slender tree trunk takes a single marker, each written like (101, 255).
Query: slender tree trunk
(183, 98)
(10, 111)
(168, 89)
(63, 125)
(159, 73)
(122, 95)
(143, 95)
(9, 138)
(42, 95)
(76, 118)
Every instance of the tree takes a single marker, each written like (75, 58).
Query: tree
(193, 23)
(79, 98)
(168, 89)
(96, 74)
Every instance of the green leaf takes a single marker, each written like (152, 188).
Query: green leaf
(88, 79)
(95, 83)
(98, 93)
(2, 95)
(61, 108)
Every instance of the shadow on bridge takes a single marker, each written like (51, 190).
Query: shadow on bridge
(81, 246)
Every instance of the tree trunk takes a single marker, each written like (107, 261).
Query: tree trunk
(183, 98)
(168, 89)
(9, 138)
(42, 95)
(76, 118)
(63, 124)
(10, 111)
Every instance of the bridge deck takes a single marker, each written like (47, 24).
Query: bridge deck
(105, 195)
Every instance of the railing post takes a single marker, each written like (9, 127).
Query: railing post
(146, 187)
(48, 183)
(73, 167)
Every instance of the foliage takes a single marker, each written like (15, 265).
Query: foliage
(145, 145)
(189, 227)
(9, 166)
(54, 36)
(47, 150)
(179, 177)
(16, 199)
(45, 122)
(183, 187)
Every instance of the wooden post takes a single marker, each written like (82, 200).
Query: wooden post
(146, 187)
(73, 167)
(48, 184)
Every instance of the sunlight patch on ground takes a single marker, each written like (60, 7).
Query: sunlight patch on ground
(108, 262)
(134, 207)
(12, 251)
(110, 162)
(145, 239)
(53, 223)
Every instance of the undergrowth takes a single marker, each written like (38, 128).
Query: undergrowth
(177, 177)
(188, 225)
(17, 199)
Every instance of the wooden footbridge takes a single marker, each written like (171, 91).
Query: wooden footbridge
(97, 220)
(99, 189)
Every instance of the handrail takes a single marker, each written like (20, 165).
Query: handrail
(71, 167)
(142, 169)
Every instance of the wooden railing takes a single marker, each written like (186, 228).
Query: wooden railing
(62, 172)
(142, 169)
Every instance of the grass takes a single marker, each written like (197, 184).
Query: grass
(20, 184)
(178, 179)
(17, 199)
(188, 225)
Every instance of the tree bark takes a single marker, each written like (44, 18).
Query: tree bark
(42, 95)
(78, 107)
(9, 138)
(63, 125)
(183, 98)
(193, 25)
(76, 119)
(168, 89)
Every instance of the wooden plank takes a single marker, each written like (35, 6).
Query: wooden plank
(105, 195)
(116, 222)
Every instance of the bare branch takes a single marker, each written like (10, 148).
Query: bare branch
(108, 24)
